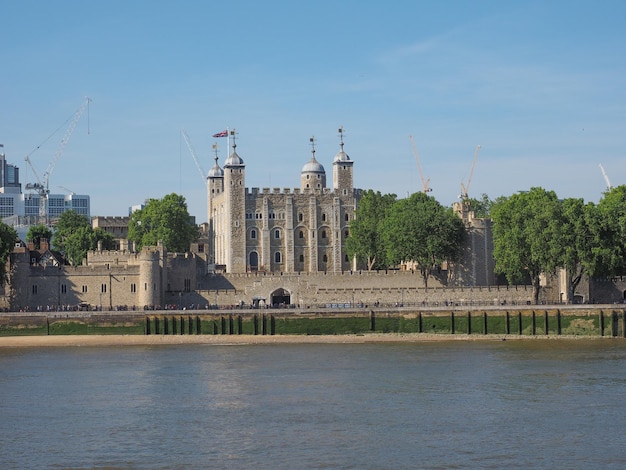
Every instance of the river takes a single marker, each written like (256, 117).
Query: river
(433, 405)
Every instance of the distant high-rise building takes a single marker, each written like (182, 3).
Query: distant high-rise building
(23, 209)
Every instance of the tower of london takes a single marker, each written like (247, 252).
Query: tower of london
(281, 230)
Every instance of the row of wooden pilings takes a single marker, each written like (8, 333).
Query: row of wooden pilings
(613, 317)
(266, 324)
(192, 325)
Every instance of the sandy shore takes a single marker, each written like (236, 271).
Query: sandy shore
(140, 340)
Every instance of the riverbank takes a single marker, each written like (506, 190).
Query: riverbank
(158, 340)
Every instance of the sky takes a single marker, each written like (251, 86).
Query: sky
(539, 85)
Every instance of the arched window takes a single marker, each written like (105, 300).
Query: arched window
(277, 257)
(346, 234)
(325, 259)
(302, 258)
(323, 217)
(300, 217)
(323, 233)
(253, 234)
(347, 217)
(277, 234)
(301, 234)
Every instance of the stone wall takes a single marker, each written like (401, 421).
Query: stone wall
(347, 289)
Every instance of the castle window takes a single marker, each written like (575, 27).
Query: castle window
(347, 259)
(302, 258)
(84, 289)
(323, 217)
(347, 218)
(253, 234)
(34, 288)
(301, 234)
(63, 288)
(300, 217)
(325, 259)
(277, 234)
(323, 233)
(307, 176)
(345, 192)
(133, 287)
(277, 257)
(346, 234)
(318, 176)
(187, 283)
(103, 288)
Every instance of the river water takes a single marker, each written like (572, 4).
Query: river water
(432, 405)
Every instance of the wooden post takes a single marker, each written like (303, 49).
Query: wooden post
(519, 321)
(545, 320)
(469, 322)
(452, 321)
(534, 324)
(485, 322)
(507, 323)
(558, 322)
(601, 323)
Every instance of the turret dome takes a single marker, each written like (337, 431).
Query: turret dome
(234, 159)
(216, 171)
(313, 166)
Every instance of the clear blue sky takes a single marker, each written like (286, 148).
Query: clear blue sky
(541, 85)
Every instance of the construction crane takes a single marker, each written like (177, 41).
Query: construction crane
(465, 187)
(41, 186)
(425, 182)
(606, 178)
(203, 173)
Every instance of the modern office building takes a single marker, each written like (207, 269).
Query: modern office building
(22, 209)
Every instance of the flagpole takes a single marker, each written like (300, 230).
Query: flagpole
(228, 144)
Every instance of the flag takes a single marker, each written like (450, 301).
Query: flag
(221, 134)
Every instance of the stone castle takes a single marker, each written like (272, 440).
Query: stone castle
(260, 247)
(269, 230)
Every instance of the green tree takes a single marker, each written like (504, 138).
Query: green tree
(8, 237)
(420, 229)
(166, 220)
(365, 241)
(68, 223)
(85, 239)
(610, 235)
(526, 236)
(38, 232)
(481, 207)
(74, 237)
(578, 241)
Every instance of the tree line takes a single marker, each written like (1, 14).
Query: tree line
(534, 233)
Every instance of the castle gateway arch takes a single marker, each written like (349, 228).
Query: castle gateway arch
(280, 297)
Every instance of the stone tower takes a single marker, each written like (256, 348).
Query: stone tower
(235, 211)
(313, 175)
(342, 171)
(215, 187)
